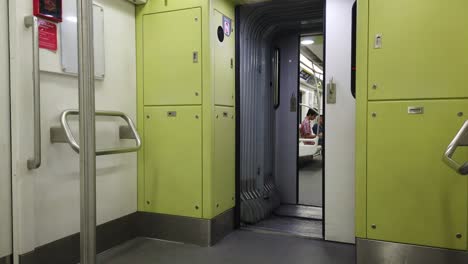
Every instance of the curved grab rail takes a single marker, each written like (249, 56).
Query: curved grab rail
(76, 147)
(460, 140)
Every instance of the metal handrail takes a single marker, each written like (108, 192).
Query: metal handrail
(35, 162)
(460, 140)
(307, 140)
(76, 147)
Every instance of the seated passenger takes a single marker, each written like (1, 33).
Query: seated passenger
(306, 131)
(319, 129)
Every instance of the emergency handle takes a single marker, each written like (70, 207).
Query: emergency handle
(35, 162)
(126, 132)
(460, 140)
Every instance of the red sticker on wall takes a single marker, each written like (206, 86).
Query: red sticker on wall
(47, 35)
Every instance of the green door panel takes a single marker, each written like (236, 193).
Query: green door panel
(172, 76)
(173, 160)
(156, 6)
(424, 49)
(224, 64)
(412, 196)
(223, 182)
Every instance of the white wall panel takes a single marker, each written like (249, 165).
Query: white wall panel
(47, 199)
(339, 126)
(5, 158)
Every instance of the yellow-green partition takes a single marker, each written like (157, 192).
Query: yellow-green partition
(177, 56)
(223, 180)
(413, 197)
(187, 164)
(224, 73)
(173, 162)
(423, 49)
(411, 101)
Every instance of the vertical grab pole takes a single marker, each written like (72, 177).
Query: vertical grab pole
(87, 132)
(32, 22)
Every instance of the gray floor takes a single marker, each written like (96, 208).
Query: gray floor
(300, 211)
(289, 226)
(310, 181)
(241, 247)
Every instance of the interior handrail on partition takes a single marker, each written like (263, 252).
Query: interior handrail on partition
(64, 133)
(460, 140)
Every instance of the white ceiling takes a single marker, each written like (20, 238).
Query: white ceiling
(317, 49)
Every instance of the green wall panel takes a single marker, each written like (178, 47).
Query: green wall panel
(173, 160)
(156, 6)
(412, 196)
(224, 63)
(423, 52)
(166, 31)
(223, 180)
(171, 76)
(361, 120)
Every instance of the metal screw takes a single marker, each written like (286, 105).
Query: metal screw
(148, 117)
(374, 86)
(374, 114)
(196, 207)
(196, 93)
(196, 116)
(459, 236)
(147, 202)
(374, 226)
(460, 114)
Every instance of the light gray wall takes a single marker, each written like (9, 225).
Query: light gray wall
(286, 136)
(340, 126)
(5, 172)
(46, 201)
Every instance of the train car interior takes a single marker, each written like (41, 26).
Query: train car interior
(272, 145)
(233, 131)
(310, 163)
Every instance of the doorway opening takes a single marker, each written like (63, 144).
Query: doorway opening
(279, 80)
(311, 129)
